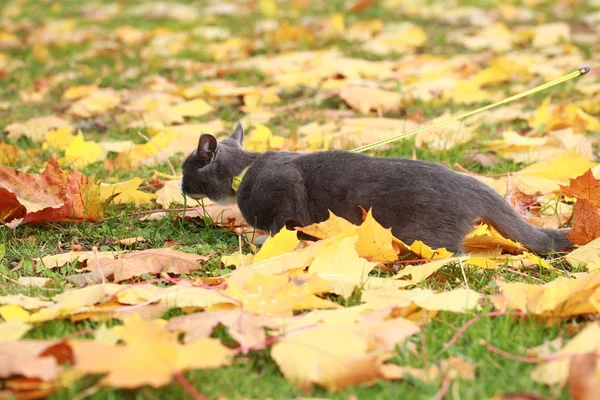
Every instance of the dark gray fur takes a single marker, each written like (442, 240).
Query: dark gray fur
(419, 200)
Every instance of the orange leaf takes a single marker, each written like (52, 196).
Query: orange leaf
(585, 187)
(586, 223)
(55, 195)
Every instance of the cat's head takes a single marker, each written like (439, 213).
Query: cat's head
(209, 170)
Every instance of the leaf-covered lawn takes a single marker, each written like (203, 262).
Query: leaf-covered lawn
(113, 285)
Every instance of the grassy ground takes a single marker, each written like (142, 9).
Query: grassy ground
(255, 375)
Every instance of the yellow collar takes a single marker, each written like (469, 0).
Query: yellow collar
(237, 180)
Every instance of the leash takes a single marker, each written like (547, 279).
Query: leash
(544, 86)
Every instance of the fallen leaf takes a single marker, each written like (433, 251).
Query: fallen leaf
(59, 260)
(96, 103)
(9, 154)
(13, 330)
(556, 372)
(365, 99)
(80, 153)
(585, 187)
(283, 242)
(587, 255)
(583, 380)
(35, 129)
(563, 297)
(337, 356)
(454, 367)
(244, 327)
(152, 261)
(150, 355)
(375, 243)
(192, 108)
(457, 300)
(55, 195)
(586, 223)
(23, 358)
(126, 192)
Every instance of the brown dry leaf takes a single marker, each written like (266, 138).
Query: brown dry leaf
(244, 327)
(586, 223)
(35, 129)
(583, 380)
(130, 241)
(366, 99)
(59, 260)
(96, 103)
(23, 357)
(152, 261)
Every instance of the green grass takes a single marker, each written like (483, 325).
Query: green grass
(256, 375)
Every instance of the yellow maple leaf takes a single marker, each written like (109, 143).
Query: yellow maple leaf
(400, 37)
(268, 7)
(80, 153)
(550, 117)
(59, 139)
(375, 243)
(458, 300)
(484, 238)
(77, 92)
(365, 99)
(13, 312)
(262, 139)
(191, 108)
(278, 294)
(563, 297)
(554, 171)
(283, 242)
(467, 92)
(336, 356)
(35, 128)
(329, 228)
(338, 261)
(588, 256)
(150, 355)
(413, 274)
(142, 153)
(96, 103)
(424, 251)
(9, 153)
(13, 330)
(255, 100)
(170, 193)
(127, 192)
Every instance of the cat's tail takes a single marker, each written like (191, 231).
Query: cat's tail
(508, 223)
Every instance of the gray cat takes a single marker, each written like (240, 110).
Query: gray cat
(419, 200)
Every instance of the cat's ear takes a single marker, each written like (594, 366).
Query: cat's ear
(207, 147)
(238, 133)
